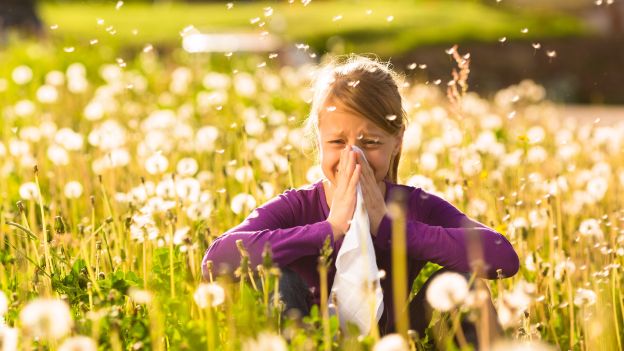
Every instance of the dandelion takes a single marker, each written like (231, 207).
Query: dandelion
(244, 174)
(22, 74)
(4, 305)
(78, 343)
(390, 18)
(29, 191)
(266, 341)
(551, 53)
(187, 166)
(47, 94)
(57, 155)
(314, 174)
(24, 108)
(391, 342)
(446, 291)
(591, 228)
(209, 294)
(73, 190)
(584, 297)
(242, 201)
(46, 318)
(156, 164)
(140, 296)
(533, 345)
(8, 336)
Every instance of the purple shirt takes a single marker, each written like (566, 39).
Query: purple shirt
(295, 225)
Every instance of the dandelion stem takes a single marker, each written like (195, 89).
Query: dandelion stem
(399, 266)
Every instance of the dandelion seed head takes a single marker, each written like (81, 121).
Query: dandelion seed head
(209, 294)
(446, 291)
(78, 343)
(46, 318)
(22, 74)
(391, 342)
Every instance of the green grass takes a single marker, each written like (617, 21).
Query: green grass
(415, 23)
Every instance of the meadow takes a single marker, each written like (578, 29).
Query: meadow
(118, 171)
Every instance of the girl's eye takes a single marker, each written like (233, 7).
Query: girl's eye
(335, 142)
(371, 142)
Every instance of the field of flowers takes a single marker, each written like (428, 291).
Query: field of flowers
(115, 176)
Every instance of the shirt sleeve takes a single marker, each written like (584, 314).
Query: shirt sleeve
(270, 223)
(442, 234)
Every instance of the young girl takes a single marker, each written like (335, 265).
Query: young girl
(358, 103)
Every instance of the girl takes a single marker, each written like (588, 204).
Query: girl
(358, 103)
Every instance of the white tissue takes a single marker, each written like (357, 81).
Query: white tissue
(356, 271)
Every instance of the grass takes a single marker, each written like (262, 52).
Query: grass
(414, 23)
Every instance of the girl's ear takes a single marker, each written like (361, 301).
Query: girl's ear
(397, 147)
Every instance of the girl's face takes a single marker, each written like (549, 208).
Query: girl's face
(339, 127)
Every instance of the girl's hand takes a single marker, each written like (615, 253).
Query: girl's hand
(373, 197)
(344, 194)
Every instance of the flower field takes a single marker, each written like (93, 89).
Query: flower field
(116, 174)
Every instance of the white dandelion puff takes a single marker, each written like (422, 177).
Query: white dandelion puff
(78, 343)
(447, 290)
(46, 318)
(156, 164)
(29, 191)
(391, 342)
(73, 190)
(266, 341)
(209, 294)
(22, 74)
(241, 202)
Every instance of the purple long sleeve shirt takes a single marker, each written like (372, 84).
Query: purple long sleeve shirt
(295, 225)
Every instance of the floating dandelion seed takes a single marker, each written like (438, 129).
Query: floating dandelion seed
(502, 40)
(536, 46)
(390, 18)
(331, 108)
(135, 32)
(353, 84)
(229, 5)
(360, 136)
(268, 11)
(254, 20)
(119, 5)
(306, 2)
(391, 117)
(69, 49)
(412, 66)
(337, 18)
(422, 66)
(262, 64)
(524, 30)
(450, 51)
(100, 21)
(598, 2)
(511, 115)
(369, 12)
(148, 48)
(229, 54)
(437, 81)
(54, 27)
(551, 53)
(272, 55)
(93, 41)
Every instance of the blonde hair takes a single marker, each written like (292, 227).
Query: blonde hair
(365, 86)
